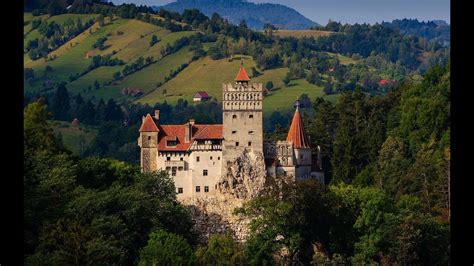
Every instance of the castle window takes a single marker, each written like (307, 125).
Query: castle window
(233, 132)
(168, 158)
(149, 137)
(301, 156)
(250, 143)
(198, 189)
(234, 117)
(218, 158)
(180, 168)
(173, 171)
(168, 168)
(250, 132)
(204, 172)
(197, 159)
(180, 190)
(206, 189)
(237, 144)
(211, 157)
(181, 159)
(250, 116)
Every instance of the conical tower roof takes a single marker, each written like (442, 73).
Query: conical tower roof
(149, 125)
(296, 134)
(242, 75)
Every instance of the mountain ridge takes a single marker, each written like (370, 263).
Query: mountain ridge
(255, 15)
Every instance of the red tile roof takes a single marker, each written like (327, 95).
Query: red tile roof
(297, 133)
(383, 82)
(177, 132)
(201, 94)
(242, 75)
(149, 125)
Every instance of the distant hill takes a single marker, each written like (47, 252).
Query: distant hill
(437, 30)
(255, 15)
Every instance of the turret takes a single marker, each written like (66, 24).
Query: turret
(300, 140)
(148, 142)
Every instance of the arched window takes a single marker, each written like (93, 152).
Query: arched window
(234, 117)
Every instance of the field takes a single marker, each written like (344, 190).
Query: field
(60, 19)
(146, 79)
(74, 60)
(302, 33)
(72, 135)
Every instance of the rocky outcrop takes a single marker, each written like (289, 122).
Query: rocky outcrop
(245, 177)
(215, 215)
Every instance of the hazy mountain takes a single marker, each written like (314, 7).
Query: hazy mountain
(255, 15)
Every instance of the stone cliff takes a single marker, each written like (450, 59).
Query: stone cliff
(245, 179)
(246, 176)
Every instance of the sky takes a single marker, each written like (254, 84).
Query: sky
(352, 11)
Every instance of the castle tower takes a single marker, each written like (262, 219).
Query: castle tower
(242, 117)
(148, 142)
(298, 137)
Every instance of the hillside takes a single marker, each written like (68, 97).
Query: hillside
(127, 40)
(302, 33)
(150, 58)
(75, 138)
(208, 75)
(437, 30)
(255, 15)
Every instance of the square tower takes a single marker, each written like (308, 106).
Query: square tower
(242, 117)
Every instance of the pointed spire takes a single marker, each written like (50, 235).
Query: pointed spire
(242, 75)
(149, 125)
(296, 134)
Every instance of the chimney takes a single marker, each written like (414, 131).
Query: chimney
(188, 131)
(157, 114)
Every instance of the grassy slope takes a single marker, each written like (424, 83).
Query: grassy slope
(71, 135)
(204, 74)
(146, 79)
(132, 31)
(208, 75)
(74, 60)
(60, 19)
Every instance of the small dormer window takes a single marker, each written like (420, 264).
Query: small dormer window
(171, 143)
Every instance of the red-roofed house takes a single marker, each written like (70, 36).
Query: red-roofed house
(385, 82)
(201, 96)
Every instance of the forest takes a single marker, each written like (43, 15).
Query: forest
(387, 200)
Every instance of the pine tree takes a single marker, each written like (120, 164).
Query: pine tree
(60, 105)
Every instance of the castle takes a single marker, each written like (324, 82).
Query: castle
(197, 156)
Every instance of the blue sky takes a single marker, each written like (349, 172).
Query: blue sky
(352, 11)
